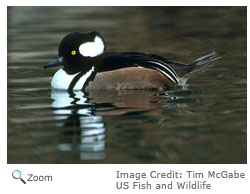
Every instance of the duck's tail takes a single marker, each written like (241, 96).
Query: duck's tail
(198, 65)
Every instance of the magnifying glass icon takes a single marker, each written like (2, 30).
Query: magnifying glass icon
(16, 174)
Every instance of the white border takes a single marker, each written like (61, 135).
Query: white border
(126, 3)
(96, 178)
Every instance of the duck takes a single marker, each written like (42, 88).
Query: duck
(87, 66)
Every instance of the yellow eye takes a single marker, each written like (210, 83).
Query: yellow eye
(73, 52)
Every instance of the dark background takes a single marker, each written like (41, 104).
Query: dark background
(202, 123)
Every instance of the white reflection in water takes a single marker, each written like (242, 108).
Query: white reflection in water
(73, 110)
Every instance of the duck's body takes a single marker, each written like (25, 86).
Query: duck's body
(88, 67)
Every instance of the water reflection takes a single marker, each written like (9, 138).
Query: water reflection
(82, 115)
(87, 131)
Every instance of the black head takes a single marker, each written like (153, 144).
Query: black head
(77, 48)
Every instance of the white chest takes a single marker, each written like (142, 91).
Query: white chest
(62, 80)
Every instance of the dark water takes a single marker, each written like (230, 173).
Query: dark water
(204, 122)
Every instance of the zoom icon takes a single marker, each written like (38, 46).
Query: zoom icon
(16, 174)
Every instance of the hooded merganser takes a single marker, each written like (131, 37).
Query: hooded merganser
(88, 67)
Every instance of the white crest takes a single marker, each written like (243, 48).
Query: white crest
(92, 49)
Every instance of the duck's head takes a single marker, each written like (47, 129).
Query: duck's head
(77, 48)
